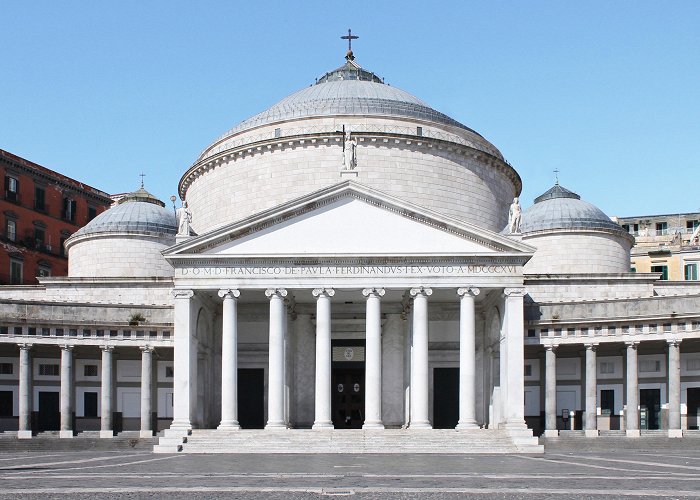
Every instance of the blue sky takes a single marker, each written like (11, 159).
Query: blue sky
(606, 92)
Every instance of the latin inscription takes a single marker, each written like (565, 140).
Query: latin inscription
(323, 270)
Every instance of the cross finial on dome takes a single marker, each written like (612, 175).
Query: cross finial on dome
(142, 175)
(556, 176)
(349, 37)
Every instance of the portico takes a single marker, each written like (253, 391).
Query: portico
(406, 313)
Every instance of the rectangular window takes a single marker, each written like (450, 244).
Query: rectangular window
(661, 228)
(691, 272)
(168, 371)
(11, 230)
(6, 368)
(39, 236)
(607, 368)
(42, 272)
(90, 370)
(528, 370)
(278, 132)
(691, 226)
(39, 198)
(660, 269)
(51, 370)
(69, 208)
(692, 364)
(90, 404)
(419, 131)
(649, 366)
(11, 188)
(92, 213)
(607, 402)
(15, 272)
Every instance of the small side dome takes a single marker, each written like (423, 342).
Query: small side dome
(124, 241)
(573, 236)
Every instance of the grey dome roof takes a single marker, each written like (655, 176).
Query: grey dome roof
(559, 208)
(348, 90)
(139, 211)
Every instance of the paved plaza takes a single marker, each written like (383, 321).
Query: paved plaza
(138, 474)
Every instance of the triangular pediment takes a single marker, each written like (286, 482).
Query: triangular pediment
(348, 219)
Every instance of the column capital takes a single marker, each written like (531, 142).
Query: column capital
(67, 347)
(591, 346)
(551, 347)
(632, 343)
(674, 342)
(468, 290)
(146, 348)
(374, 292)
(107, 347)
(231, 293)
(275, 292)
(181, 293)
(514, 292)
(25, 346)
(323, 292)
(421, 290)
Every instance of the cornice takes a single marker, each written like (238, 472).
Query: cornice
(327, 138)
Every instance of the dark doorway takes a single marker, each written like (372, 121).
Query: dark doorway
(49, 412)
(90, 404)
(445, 398)
(693, 403)
(651, 399)
(6, 404)
(348, 404)
(251, 398)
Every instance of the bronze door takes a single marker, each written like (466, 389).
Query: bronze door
(348, 398)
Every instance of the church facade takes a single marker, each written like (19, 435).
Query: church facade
(351, 261)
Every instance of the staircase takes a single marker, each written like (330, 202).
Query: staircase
(494, 441)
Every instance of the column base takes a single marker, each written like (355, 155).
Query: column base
(551, 433)
(145, 434)
(464, 426)
(24, 434)
(229, 426)
(276, 426)
(373, 425)
(184, 426)
(591, 433)
(107, 434)
(632, 433)
(65, 434)
(419, 425)
(675, 433)
(323, 426)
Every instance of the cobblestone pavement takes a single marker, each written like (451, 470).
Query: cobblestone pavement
(120, 474)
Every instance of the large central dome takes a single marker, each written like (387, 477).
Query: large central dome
(400, 146)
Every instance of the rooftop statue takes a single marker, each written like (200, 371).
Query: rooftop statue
(184, 219)
(349, 152)
(514, 215)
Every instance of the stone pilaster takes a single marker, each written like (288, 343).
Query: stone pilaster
(550, 392)
(674, 389)
(146, 391)
(591, 413)
(632, 411)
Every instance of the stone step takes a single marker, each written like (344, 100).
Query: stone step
(348, 441)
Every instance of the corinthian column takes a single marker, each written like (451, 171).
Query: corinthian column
(420, 380)
(467, 358)
(229, 360)
(275, 391)
(322, 407)
(373, 357)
